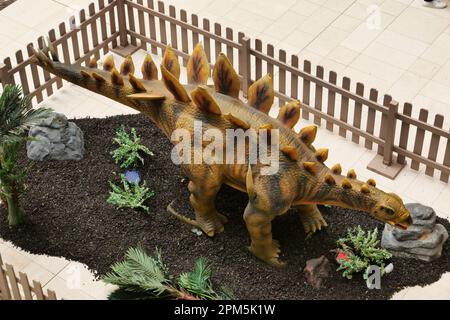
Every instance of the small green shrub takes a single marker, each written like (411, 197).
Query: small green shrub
(128, 154)
(130, 196)
(358, 251)
(141, 276)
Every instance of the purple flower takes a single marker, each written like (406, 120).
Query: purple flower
(133, 176)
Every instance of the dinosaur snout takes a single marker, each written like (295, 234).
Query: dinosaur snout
(405, 223)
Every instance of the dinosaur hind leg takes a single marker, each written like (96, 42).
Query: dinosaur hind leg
(263, 246)
(205, 183)
(311, 219)
(203, 195)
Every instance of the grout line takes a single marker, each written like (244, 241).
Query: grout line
(330, 24)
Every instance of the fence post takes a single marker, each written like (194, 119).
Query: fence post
(122, 23)
(384, 164)
(5, 79)
(125, 48)
(245, 64)
(390, 133)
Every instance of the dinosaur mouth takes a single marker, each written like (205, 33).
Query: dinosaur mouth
(405, 224)
(401, 226)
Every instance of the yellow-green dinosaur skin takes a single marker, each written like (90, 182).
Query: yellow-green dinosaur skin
(269, 195)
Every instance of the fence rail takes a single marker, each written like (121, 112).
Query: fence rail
(339, 104)
(13, 287)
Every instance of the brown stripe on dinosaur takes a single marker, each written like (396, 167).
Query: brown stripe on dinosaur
(197, 66)
(149, 70)
(261, 95)
(225, 82)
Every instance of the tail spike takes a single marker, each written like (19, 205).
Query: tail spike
(171, 63)
(336, 169)
(351, 174)
(261, 94)
(290, 113)
(173, 85)
(136, 84)
(85, 74)
(371, 182)
(346, 184)
(322, 155)
(53, 51)
(236, 121)
(116, 78)
(365, 188)
(308, 134)
(93, 63)
(311, 167)
(149, 69)
(330, 180)
(226, 80)
(290, 152)
(204, 101)
(98, 77)
(108, 64)
(198, 69)
(127, 66)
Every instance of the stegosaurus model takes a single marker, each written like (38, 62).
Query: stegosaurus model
(303, 181)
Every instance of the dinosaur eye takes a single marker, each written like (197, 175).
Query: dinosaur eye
(388, 211)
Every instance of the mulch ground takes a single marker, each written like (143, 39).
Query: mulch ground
(68, 216)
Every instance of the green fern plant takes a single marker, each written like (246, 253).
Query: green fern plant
(130, 195)
(359, 250)
(141, 276)
(140, 273)
(16, 116)
(198, 283)
(128, 154)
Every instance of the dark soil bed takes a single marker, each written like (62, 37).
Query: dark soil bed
(68, 216)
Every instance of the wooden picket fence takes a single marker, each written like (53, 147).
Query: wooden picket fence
(351, 109)
(19, 288)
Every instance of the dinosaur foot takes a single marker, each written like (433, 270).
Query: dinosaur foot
(268, 253)
(211, 224)
(312, 224)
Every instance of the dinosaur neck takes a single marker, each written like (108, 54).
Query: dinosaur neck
(336, 195)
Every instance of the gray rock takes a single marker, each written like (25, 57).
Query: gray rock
(419, 211)
(424, 219)
(423, 240)
(316, 271)
(55, 138)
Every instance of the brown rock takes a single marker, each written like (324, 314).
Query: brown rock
(316, 271)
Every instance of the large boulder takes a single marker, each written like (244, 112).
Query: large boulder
(423, 240)
(55, 138)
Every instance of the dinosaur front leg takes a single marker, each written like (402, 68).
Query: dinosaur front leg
(203, 195)
(259, 226)
(311, 219)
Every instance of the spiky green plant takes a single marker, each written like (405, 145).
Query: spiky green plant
(361, 250)
(130, 196)
(198, 283)
(16, 116)
(141, 273)
(140, 276)
(128, 154)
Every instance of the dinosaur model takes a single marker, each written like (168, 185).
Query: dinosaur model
(303, 180)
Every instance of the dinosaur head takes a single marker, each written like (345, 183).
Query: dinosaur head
(390, 208)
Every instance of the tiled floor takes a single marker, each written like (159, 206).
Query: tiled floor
(407, 54)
